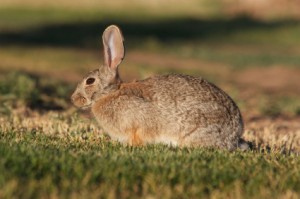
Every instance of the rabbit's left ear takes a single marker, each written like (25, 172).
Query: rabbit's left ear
(113, 46)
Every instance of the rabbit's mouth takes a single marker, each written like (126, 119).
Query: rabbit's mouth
(85, 107)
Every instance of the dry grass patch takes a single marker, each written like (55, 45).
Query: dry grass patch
(276, 135)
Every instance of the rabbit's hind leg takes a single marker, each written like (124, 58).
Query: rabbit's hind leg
(201, 137)
(135, 138)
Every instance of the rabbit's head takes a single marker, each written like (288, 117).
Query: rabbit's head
(106, 78)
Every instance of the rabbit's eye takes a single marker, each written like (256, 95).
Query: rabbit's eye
(90, 81)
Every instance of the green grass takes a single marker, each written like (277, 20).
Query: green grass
(35, 165)
(280, 105)
(16, 18)
(20, 18)
(239, 56)
(21, 89)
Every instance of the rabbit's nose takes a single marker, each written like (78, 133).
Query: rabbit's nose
(78, 100)
(72, 98)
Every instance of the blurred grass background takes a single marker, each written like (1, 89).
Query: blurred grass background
(249, 48)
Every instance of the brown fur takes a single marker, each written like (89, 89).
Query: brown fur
(137, 89)
(172, 109)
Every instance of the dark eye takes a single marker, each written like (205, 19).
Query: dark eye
(90, 81)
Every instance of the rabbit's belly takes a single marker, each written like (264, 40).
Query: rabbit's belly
(166, 139)
(120, 137)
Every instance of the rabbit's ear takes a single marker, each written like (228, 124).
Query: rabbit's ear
(113, 46)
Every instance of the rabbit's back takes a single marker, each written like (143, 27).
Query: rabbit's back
(199, 109)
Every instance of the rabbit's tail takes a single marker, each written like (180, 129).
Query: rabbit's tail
(244, 145)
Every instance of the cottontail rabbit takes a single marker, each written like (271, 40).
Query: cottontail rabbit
(179, 110)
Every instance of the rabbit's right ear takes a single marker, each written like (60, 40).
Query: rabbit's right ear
(113, 46)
